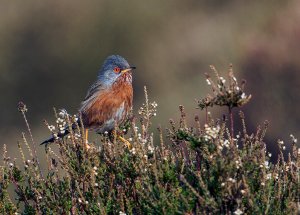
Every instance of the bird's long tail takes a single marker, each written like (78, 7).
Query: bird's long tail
(62, 134)
(53, 138)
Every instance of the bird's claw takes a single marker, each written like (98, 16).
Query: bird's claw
(128, 144)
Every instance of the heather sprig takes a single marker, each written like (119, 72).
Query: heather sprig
(198, 168)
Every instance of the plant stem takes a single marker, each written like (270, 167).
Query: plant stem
(231, 123)
(206, 115)
(33, 143)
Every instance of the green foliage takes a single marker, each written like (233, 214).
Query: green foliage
(201, 170)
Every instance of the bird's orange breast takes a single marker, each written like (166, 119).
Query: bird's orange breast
(110, 107)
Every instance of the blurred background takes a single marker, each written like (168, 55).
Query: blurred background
(50, 52)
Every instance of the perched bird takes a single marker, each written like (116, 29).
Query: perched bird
(109, 99)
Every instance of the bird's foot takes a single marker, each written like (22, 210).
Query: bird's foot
(128, 144)
(87, 146)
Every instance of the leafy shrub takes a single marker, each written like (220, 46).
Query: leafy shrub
(202, 169)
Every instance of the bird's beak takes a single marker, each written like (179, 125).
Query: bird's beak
(128, 70)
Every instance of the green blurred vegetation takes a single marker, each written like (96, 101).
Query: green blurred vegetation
(50, 52)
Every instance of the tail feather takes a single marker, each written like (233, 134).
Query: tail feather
(52, 139)
(60, 135)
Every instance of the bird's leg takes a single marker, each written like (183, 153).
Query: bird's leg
(86, 135)
(86, 139)
(128, 144)
(118, 136)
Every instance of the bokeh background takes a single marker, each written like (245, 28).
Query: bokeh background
(50, 52)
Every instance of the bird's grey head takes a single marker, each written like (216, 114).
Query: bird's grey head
(113, 68)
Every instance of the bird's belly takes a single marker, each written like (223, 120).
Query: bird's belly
(109, 124)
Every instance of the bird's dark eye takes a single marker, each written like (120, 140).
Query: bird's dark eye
(117, 69)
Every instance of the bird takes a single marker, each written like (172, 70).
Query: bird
(108, 101)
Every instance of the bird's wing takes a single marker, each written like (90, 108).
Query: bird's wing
(94, 91)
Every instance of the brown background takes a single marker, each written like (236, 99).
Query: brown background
(50, 52)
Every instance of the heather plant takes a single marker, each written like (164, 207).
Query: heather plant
(205, 167)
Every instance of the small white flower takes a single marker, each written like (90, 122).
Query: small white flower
(154, 104)
(63, 113)
(293, 138)
(95, 168)
(79, 200)
(243, 95)
(208, 81)
(105, 132)
(130, 139)
(243, 191)
(223, 184)
(267, 164)
(86, 202)
(238, 212)
(262, 184)
(151, 149)
(269, 176)
(122, 213)
(11, 164)
(96, 184)
(270, 154)
(154, 114)
(133, 151)
(283, 147)
(222, 80)
(230, 179)
(51, 127)
(124, 130)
